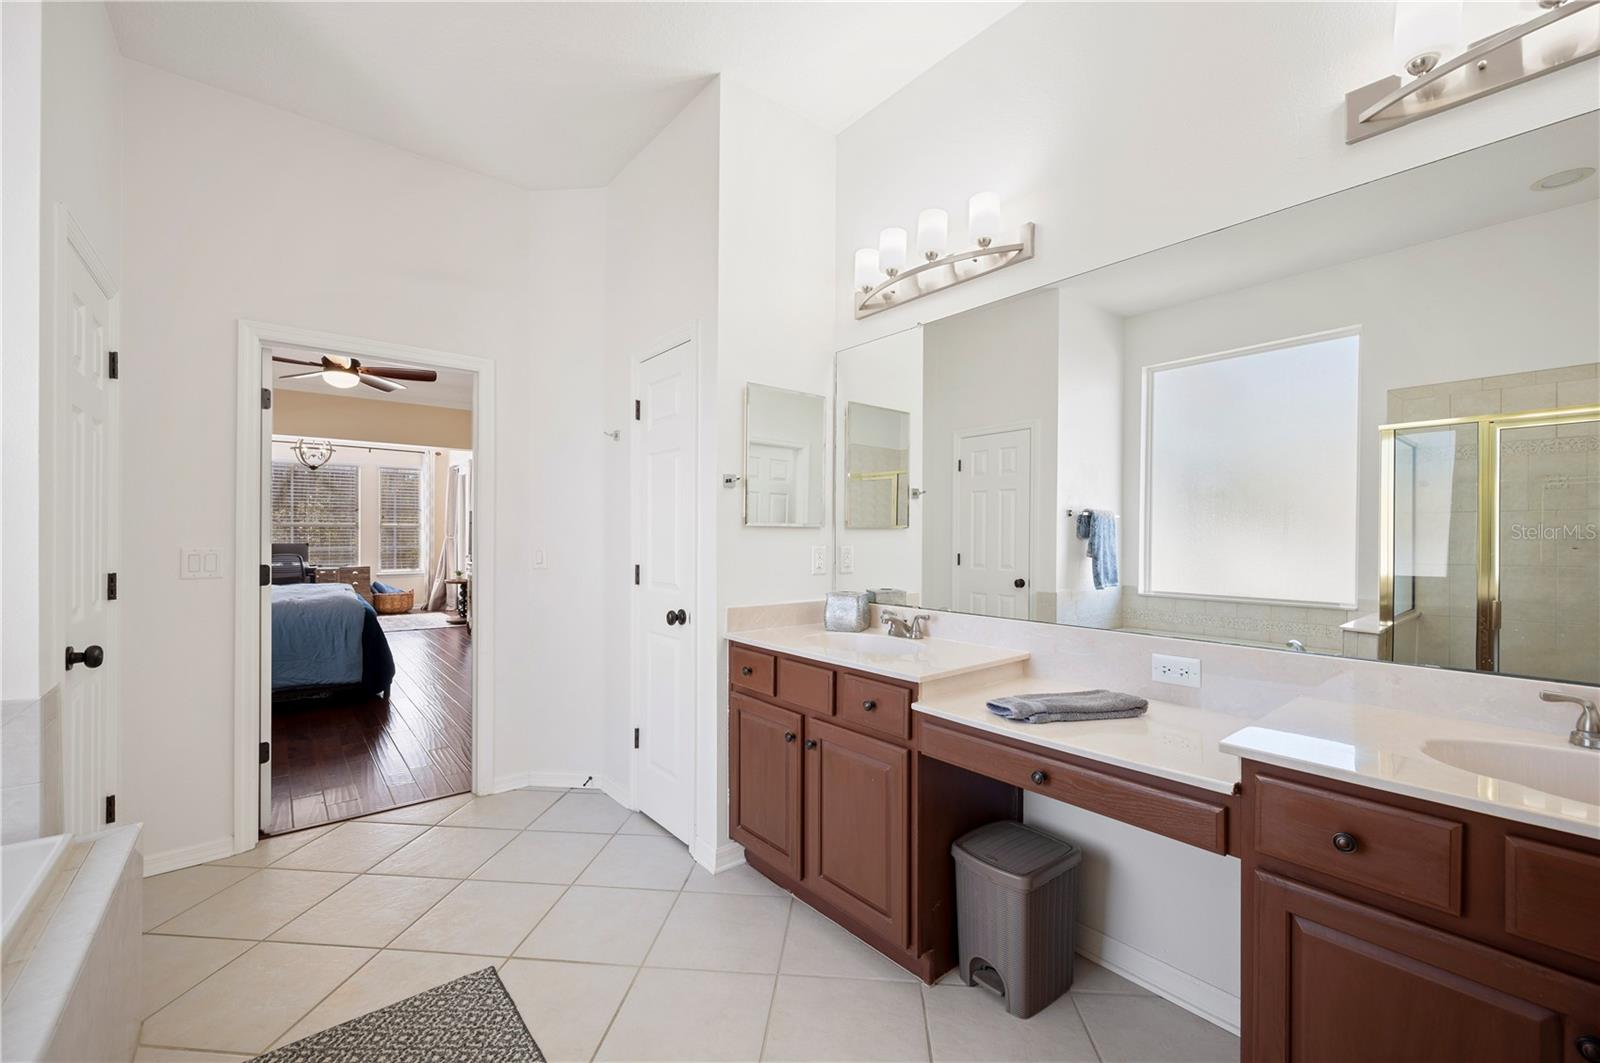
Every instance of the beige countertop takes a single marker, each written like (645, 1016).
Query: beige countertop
(912, 660)
(1500, 774)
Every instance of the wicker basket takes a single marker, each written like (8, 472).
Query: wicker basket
(387, 604)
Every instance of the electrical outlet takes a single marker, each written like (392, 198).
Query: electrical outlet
(847, 560)
(1179, 671)
(819, 560)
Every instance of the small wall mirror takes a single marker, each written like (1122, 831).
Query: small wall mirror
(877, 461)
(785, 463)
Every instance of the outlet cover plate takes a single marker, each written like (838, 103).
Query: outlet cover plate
(1179, 671)
(819, 560)
(847, 560)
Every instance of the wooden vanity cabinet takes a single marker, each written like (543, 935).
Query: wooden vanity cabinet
(764, 810)
(1385, 928)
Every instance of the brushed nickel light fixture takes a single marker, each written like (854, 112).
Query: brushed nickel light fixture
(884, 281)
(1437, 72)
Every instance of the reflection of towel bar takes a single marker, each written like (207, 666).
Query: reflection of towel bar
(1074, 513)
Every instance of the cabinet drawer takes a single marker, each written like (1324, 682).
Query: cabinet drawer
(750, 670)
(1186, 819)
(881, 707)
(1551, 894)
(808, 686)
(1405, 854)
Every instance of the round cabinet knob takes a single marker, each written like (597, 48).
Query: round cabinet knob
(1588, 1047)
(869, 705)
(1039, 778)
(811, 743)
(1345, 843)
(747, 670)
(788, 736)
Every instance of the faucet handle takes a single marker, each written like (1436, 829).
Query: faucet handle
(1566, 699)
(1586, 732)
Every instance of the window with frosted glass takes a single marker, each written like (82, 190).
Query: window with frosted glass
(1251, 475)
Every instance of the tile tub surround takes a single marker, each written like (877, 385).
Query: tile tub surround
(1383, 749)
(692, 966)
(916, 660)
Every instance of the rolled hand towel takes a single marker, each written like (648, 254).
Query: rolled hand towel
(1073, 705)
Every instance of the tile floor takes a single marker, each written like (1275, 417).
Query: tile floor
(613, 943)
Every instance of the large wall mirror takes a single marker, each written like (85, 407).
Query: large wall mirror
(1368, 425)
(785, 458)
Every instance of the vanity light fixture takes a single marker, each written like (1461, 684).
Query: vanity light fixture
(882, 279)
(1438, 74)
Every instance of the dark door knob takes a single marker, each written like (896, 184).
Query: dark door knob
(788, 736)
(89, 657)
(1588, 1047)
(683, 617)
(869, 705)
(1039, 778)
(1345, 843)
(811, 743)
(1019, 583)
(678, 616)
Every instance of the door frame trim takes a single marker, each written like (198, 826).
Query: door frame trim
(1035, 430)
(252, 687)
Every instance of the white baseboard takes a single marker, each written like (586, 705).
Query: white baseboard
(715, 857)
(187, 856)
(563, 780)
(614, 790)
(1161, 978)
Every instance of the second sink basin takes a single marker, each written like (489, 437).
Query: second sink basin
(1566, 772)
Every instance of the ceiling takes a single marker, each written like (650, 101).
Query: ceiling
(452, 389)
(543, 95)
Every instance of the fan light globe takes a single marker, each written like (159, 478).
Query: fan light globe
(340, 378)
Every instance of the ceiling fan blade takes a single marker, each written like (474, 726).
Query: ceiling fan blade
(380, 383)
(395, 372)
(302, 376)
(293, 361)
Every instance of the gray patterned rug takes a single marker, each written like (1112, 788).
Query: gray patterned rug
(413, 621)
(469, 1020)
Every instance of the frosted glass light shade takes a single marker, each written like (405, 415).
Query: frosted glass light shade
(933, 232)
(983, 217)
(340, 378)
(867, 272)
(892, 250)
(1425, 33)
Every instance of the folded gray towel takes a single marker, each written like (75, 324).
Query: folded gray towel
(1074, 705)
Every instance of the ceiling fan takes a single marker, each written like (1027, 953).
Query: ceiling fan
(338, 371)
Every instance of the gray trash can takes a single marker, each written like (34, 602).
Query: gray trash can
(1016, 889)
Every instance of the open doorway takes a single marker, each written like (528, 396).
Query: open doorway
(368, 639)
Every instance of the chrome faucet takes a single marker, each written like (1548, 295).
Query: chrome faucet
(1586, 732)
(899, 627)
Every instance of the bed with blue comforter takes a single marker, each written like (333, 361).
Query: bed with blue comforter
(326, 637)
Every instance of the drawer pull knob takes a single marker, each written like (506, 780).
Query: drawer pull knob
(869, 705)
(811, 743)
(747, 670)
(1588, 1047)
(788, 736)
(1345, 843)
(1039, 778)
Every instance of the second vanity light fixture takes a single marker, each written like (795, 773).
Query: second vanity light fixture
(883, 279)
(1438, 69)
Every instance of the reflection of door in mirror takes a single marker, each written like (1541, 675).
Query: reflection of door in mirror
(785, 470)
(773, 482)
(994, 512)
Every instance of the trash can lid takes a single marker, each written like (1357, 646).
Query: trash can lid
(1015, 855)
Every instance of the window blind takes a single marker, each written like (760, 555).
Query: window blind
(400, 511)
(320, 507)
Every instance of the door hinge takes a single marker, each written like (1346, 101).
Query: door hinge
(113, 367)
(266, 398)
(635, 575)
(111, 808)
(266, 575)
(111, 586)
(266, 752)
(635, 738)
(958, 465)
(958, 559)
(637, 409)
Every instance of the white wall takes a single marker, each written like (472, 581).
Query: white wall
(1230, 111)
(349, 236)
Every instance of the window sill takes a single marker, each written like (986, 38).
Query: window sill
(400, 572)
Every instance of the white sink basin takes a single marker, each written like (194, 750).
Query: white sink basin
(864, 642)
(1567, 772)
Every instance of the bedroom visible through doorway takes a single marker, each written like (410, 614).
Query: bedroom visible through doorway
(368, 646)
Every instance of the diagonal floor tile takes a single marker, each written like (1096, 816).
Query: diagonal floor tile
(370, 912)
(171, 966)
(722, 932)
(586, 812)
(699, 1015)
(865, 1020)
(971, 1023)
(514, 809)
(816, 945)
(567, 1006)
(639, 823)
(1090, 977)
(543, 856)
(351, 847)
(1147, 1029)
(446, 852)
(739, 879)
(257, 906)
(248, 1004)
(597, 925)
(176, 891)
(274, 848)
(639, 862)
(391, 976)
(427, 813)
(148, 1054)
(486, 918)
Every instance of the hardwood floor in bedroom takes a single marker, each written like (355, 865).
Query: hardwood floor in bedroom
(340, 757)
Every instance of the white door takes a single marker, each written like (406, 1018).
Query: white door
(773, 484)
(994, 478)
(664, 639)
(85, 416)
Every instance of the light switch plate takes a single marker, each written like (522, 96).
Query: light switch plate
(847, 560)
(1179, 671)
(199, 562)
(819, 560)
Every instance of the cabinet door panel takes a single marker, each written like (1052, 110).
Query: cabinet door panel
(766, 774)
(857, 822)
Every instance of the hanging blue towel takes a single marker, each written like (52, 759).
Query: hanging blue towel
(1099, 530)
